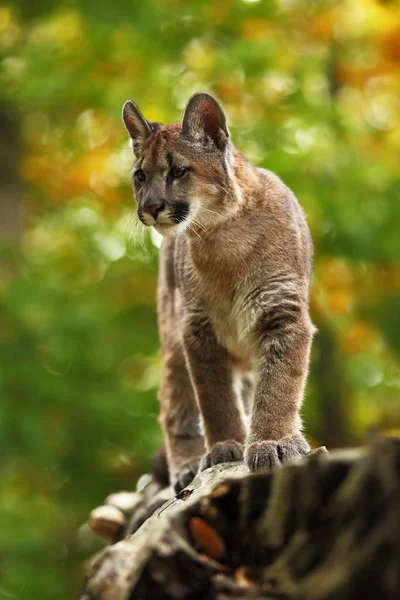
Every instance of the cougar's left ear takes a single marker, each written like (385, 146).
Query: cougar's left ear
(204, 121)
(138, 127)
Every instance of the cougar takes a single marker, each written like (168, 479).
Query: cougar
(233, 294)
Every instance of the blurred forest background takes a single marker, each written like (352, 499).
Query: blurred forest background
(312, 91)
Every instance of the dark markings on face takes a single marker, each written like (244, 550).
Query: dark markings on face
(179, 212)
(140, 214)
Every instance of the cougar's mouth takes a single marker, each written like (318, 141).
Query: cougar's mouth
(173, 220)
(171, 216)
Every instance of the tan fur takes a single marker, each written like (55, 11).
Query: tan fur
(233, 294)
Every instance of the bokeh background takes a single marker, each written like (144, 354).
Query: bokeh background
(312, 91)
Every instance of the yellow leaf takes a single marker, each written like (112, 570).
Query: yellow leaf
(360, 337)
(256, 29)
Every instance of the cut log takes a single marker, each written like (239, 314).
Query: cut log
(326, 527)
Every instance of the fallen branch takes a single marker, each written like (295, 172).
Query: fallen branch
(327, 527)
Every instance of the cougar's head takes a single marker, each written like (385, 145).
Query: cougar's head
(182, 177)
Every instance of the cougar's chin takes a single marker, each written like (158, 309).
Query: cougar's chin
(166, 229)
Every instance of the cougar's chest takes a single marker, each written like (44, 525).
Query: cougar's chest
(229, 323)
(218, 272)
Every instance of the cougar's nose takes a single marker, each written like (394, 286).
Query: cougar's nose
(154, 209)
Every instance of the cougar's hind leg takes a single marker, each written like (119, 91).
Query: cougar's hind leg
(179, 418)
(159, 467)
(179, 415)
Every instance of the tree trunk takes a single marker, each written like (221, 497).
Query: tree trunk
(327, 527)
(10, 192)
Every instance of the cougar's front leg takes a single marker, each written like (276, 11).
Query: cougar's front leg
(212, 376)
(284, 340)
(179, 418)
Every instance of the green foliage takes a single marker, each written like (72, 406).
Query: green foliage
(79, 368)
(311, 92)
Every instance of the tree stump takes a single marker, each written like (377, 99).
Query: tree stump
(324, 528)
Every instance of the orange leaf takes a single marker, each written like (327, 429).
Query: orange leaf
(206, 538)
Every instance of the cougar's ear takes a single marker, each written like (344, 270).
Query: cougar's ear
(137, 126)
(204, 121)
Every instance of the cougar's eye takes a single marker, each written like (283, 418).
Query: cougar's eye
(140, 175)
(177, 172)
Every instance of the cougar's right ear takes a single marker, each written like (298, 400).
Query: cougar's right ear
(137, 126)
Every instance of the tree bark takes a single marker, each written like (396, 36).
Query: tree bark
(327, 527)
(10, 192)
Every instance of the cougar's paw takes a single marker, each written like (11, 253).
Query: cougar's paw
(229, 451)
(263, 455)
(186, 474)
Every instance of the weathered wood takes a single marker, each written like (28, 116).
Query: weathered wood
(327, 527)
